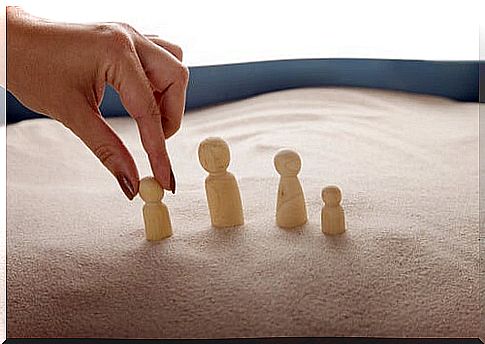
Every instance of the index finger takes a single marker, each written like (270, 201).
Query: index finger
(153, 141)
(125, 73)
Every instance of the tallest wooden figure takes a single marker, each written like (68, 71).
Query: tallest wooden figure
(290, 203)
(223, 198)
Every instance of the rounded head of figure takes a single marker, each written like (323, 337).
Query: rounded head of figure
(287, 162)
(214, 155)
(331, 195)
(150, 190)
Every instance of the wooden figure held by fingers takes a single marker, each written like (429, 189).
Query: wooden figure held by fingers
(333, 218)
(222, 191)
(155, 213)
(290, 204)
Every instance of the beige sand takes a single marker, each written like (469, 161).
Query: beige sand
(78, 264)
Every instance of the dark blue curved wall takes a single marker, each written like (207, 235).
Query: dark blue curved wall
(221, 83)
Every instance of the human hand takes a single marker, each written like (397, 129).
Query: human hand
(61, 69)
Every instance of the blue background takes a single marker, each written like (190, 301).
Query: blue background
(209, 85)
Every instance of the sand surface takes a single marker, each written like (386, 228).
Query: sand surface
(407, 165)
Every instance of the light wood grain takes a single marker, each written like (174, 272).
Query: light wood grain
(333, 217)
(222, 190)
(155, 214)
(290, 204)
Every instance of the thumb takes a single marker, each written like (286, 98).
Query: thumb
(93, 130)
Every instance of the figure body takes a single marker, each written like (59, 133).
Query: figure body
(222, 191)
(290, 204)
(333, 217)
(155, 213)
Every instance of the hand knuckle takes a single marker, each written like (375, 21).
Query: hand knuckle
(121, 42)
(103, 28)
(117, 38)
(178, 52)
(183, 74)
(128, 28)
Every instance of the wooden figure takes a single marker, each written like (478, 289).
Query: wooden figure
(333, 218)
(222, 191)
(290, 205)
(155, 213)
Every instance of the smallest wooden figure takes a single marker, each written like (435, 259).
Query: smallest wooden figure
(155, 213)
(333, 218)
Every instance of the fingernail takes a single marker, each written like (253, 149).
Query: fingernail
(126, 186)
(172, 181)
